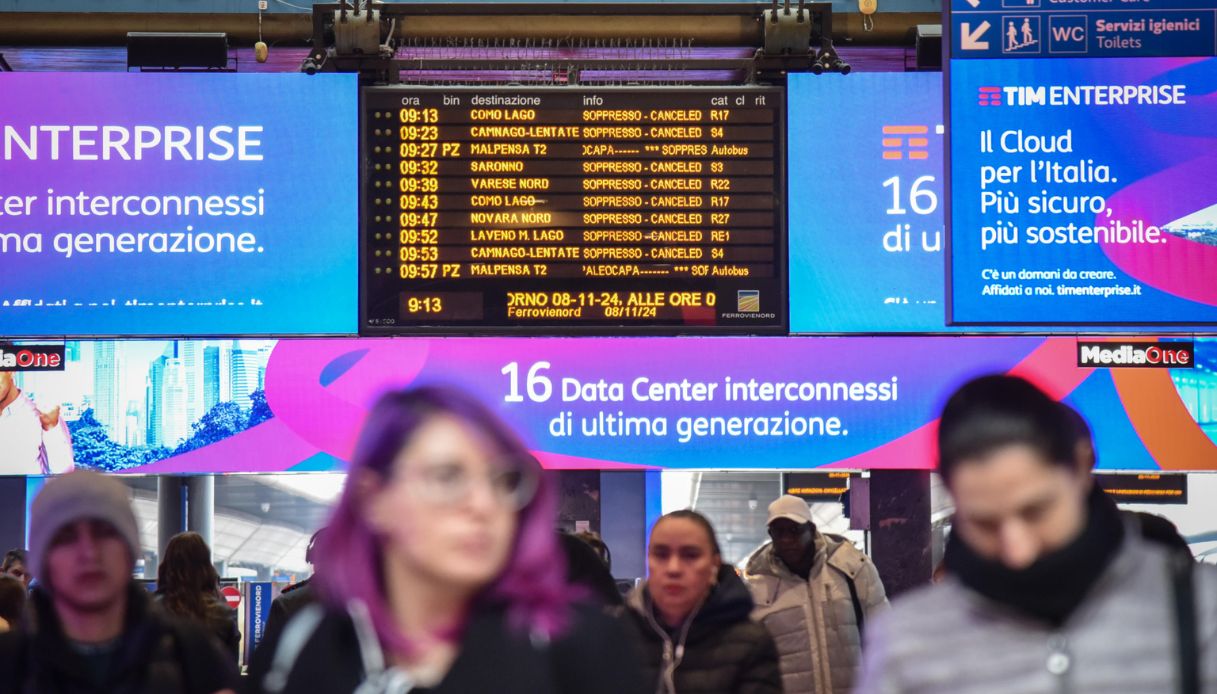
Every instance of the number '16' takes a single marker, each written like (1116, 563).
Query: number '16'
(539, 386)
(923, 200)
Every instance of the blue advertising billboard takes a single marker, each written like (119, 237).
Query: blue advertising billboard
(867, 246)
(189, 204)
(865, 211)
(1082, 191)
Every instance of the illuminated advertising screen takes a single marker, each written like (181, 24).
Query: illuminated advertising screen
(865, 202)
(866, 210)
(221, 406)
(186, 204)
(542, 210)
(1082, 190)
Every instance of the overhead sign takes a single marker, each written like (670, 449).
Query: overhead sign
(1144, 488)
(544, 210)
(816, 486)
(1075, 28)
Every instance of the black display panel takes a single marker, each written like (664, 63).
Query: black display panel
(817, 486)
(648, 210)
(1144, 488)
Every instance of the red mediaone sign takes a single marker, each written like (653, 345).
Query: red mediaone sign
(1162, 355)
(31, 358)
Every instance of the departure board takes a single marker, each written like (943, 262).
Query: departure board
(556, 210)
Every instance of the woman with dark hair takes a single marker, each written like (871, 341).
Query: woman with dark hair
(593, 540)
(1048, 587)
(440, 571)
(188, 586)
(586, 569)
(693, 620)
(12, 603)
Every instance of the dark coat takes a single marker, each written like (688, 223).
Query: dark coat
(220, 622)
(585, 569)
(156, 654)
(293, 599)
(594, 656)
(724, 651)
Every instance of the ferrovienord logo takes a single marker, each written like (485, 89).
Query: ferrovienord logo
(1146, 355)
(748, 300)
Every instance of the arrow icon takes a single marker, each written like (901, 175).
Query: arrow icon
(974, 3)
(970, 40)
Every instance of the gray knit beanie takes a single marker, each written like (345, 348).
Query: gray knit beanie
(79, 495)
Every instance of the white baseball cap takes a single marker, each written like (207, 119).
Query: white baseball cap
(789, 507)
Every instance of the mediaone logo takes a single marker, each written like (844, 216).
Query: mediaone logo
(31, 357)
(1146, 355)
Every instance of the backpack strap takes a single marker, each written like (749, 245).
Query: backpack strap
(859, 616)
(378, 677)
(853, 596)
(295, 636)
(1183, 591)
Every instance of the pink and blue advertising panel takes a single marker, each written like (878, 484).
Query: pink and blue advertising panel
(601, 403)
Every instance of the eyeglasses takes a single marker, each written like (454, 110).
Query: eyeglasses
(513, 483)
(780, 531)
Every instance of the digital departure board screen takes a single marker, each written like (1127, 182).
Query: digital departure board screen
(1144, 488)
(556, 210)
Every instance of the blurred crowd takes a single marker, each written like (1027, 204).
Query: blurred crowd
(440, 572)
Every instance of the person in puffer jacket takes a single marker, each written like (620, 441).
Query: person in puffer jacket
(814, 592)
(692, 617)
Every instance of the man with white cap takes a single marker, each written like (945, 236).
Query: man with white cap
(93, 628)
(814, 592)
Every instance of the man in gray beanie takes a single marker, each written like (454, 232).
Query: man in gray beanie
(95, 629)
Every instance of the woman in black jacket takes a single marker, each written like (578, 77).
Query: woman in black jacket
(440, 572)
(692, 617)
(188, 586)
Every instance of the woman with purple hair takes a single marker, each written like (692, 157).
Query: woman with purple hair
(440, 571)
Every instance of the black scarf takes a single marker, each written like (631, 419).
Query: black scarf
(1053, 586)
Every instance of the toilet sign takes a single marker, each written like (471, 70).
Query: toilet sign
(1012, 28)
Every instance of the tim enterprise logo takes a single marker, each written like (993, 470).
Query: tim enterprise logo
(31, 358)
(1084, 95)
(1145, 355)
